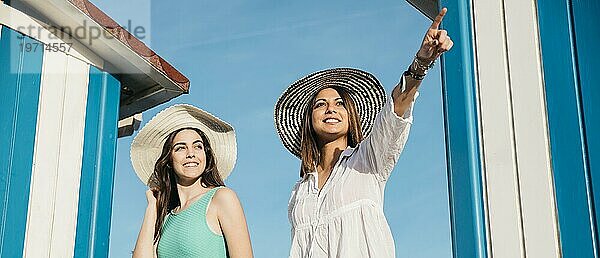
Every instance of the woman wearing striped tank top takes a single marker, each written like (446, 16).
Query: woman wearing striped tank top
(183, 154)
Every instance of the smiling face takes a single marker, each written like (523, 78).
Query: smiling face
(329, 115)
(188, 156)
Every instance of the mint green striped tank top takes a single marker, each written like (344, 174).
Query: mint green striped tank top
(186, 234)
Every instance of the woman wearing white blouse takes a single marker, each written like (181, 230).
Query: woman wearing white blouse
(336, 208)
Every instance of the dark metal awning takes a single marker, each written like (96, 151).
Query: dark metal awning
(429, 8)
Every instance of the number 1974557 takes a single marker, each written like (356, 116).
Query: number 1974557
(54, 47)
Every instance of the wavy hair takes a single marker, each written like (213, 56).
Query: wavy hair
(309, 149)
(164, 179)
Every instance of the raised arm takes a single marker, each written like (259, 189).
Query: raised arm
(434, 44)
(233, 223)
(382, 148)
(144, 247)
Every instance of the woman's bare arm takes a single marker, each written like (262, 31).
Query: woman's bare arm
(434, 44)
(144, 247)
(233, 223)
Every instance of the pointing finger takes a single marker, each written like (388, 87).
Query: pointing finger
(438, 19)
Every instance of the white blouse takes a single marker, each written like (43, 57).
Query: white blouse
(345, 219)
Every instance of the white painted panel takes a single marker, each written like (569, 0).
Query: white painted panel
(52, 214)
(69, 161)
(45, 157)
(505, 228)
(533, 157)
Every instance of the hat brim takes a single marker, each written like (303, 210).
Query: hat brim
(148, 143)
(365, 90)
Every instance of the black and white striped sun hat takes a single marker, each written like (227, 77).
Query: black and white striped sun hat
(364, 89)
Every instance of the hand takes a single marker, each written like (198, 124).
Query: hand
(151, 196)
(436, 41)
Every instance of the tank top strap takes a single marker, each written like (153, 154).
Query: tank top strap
(209, 195)
(204, 201)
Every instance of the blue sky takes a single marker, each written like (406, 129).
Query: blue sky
(241, 55)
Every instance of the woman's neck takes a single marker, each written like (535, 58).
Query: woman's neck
(330, 152)
(188, 193)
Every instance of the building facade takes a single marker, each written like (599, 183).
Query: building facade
(65, 100)
(522, 129)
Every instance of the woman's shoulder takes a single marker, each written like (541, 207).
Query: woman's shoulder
(224, 192)
(226, 202)
(224, 195)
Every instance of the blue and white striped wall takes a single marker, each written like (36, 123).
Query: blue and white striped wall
(522, 129)
(57, 150)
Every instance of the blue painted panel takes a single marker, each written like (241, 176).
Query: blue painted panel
(462, 137)
(99, 150)
(587, 35)
(20, 77)
(565, 128)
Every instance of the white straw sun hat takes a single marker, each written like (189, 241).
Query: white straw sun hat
(147, 145)
(364, 89)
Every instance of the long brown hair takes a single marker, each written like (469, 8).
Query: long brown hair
(309, 149)
(164, 178)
